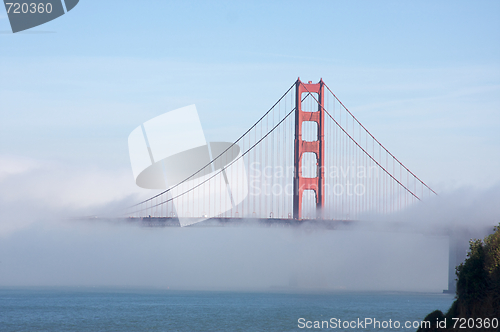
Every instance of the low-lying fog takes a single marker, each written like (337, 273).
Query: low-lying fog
(40, 245)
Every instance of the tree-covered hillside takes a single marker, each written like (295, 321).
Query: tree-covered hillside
(477, 304)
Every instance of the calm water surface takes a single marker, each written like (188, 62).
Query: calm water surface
(126, 310)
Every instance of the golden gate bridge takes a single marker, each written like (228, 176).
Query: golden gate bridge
(308, 157)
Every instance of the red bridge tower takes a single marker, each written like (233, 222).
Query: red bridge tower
(300, 183)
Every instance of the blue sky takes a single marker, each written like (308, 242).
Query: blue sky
(422, 76)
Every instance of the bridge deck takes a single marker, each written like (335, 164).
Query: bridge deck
(233, 222)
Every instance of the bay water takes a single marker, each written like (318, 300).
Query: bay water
(102, 309)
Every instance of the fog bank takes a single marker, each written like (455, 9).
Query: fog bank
(42, 245)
